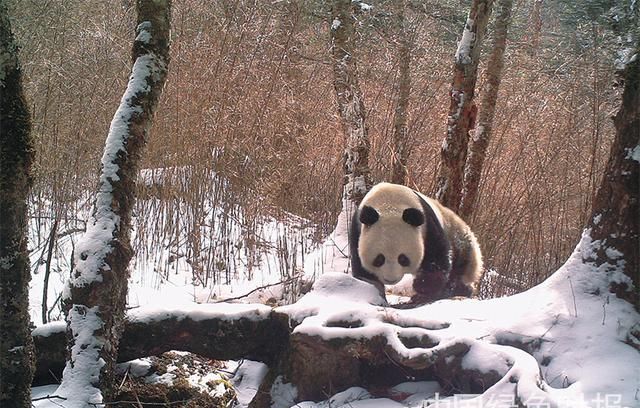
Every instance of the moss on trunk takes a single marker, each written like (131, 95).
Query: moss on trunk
(16, 156)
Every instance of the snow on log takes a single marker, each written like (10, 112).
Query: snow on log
(217, 331)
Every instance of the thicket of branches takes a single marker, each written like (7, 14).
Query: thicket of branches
(250, 96)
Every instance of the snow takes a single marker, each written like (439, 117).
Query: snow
(144, 32)
(94, 246)
(453, 118)
(625, 56)
(348, 398)
(49, 329)
(486, 359)
(80, 385)
(463, 53)
(43, 397)
(137, 368)
(81, 374)
(166, 378)
(163, 278)
(363, 6)
(247, 379)
(197, 312)
(283, 394)
(333, 254)
(634, 154)
(576, 334)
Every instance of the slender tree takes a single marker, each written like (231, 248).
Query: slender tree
(535, 27)
(462, 109)
(400, 128)
(16, 156)
(350, 100)
(482, 133)
(96, 295)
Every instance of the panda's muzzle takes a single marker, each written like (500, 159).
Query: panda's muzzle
(391, 282)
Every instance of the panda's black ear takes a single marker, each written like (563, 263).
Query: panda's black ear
(413, 216)
(368, 215)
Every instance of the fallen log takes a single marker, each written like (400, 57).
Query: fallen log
(221, 332)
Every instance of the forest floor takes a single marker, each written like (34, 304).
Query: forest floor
(567, 342)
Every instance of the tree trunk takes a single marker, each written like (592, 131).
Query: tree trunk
(462, 109)
(482, 133)
(400, 128)
(47, 272)
(535, 27)
(96, 295)
(16, 157)
(614, 219)
(350, 101)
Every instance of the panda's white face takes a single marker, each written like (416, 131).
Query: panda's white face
(392, 234)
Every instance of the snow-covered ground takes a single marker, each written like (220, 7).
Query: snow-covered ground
(583, 350)
(164, 275)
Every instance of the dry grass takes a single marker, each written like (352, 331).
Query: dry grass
(250, 96)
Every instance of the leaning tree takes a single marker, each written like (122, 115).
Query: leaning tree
(96, 294)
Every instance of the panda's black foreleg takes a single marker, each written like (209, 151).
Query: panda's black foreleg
(430, 284)
(435, 284)
(458, 288)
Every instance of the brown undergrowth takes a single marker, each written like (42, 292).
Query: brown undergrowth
(250, 97)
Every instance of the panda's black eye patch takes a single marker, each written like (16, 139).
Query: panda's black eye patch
(369, 215)
(413, 216)
(403, 260)
(378, 261)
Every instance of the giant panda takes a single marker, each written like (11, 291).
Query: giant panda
(396, 231)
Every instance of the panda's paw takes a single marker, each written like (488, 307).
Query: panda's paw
(460, 289)
(429, 285)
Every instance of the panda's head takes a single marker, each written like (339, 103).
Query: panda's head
(392, 232)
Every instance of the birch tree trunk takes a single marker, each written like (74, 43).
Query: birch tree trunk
(462, 109)
(16, 155)
(350, 101)
(400, 128)
(615, 216)
(482, 134)
(95, 296)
